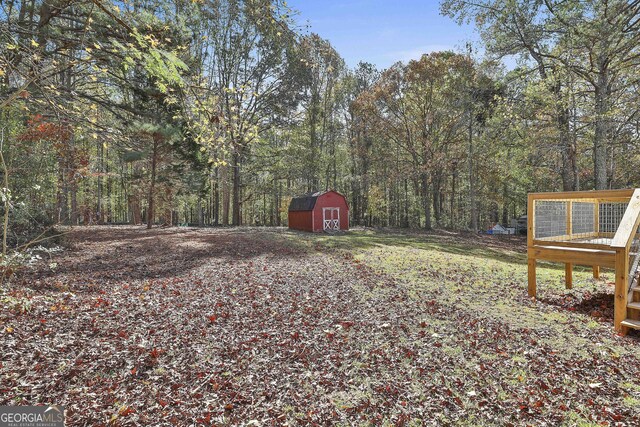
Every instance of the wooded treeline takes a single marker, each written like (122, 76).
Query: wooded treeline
(217, 112)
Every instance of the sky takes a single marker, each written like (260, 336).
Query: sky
(383, 31)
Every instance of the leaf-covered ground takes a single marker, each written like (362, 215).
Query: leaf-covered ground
(270, 327)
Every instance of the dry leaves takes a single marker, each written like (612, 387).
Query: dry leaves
(240, 327)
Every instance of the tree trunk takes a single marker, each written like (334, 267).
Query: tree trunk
(436, 199)
(236, 215)
(72, 180)
(505, 204)
(274, 204)
(568, 150)
(108, 217)
(74, 202)
(63, 191)
(472, 188)
(602, 132)
(355, 191)
(566, 144)
(426, 200)
(312, 178)
(152, 184)
(99, 189)
(168, 208)
(7, 201)
(452, 201)
(364, 201)
(216, 199)
(278, 201)
(405, 218)
(134, 209)
(225, 195)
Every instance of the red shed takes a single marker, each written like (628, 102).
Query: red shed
(320, 211)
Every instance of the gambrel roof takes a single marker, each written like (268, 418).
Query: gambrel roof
(306, 202)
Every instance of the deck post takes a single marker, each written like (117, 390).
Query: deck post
(568, 275)
(620, 297)
(596, 271)
(532, 277)
(531, 261)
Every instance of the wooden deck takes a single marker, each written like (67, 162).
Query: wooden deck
(583, 228)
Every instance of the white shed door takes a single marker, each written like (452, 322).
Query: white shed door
(330, 219)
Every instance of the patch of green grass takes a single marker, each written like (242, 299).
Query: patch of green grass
(630, 386)
(576, 420)
(631, 402)
(592, 324)
(519, 359)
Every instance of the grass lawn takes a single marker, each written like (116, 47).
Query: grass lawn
(273, 327)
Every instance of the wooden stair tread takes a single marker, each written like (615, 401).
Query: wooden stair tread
(635, 305)
(635, 324)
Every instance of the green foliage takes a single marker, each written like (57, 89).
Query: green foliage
(221, 111)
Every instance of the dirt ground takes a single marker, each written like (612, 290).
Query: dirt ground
(185, 327)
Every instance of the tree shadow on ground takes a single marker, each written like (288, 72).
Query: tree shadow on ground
(135, 253)
(510, 249)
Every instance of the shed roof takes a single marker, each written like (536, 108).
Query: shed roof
(306, 202)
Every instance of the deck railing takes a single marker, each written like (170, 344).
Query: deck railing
(626, 244)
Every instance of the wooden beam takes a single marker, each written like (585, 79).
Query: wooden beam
(593, 194)
(568, 237)
(596, 271)
(551, 198)
(568, 275)
(575, 256)
(600, 246)
(620, 296)
(614, 200)
(531, 277)
(558, 238)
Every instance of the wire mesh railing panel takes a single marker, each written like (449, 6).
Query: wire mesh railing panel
(610, 215)
(634, 257)
(550, 219)
(583, 219)
(590, 221)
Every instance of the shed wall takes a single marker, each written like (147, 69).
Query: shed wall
(300, 220)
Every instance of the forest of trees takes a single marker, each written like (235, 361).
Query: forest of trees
(217, 112)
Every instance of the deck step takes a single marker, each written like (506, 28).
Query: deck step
(635, 324)
(635, 305)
